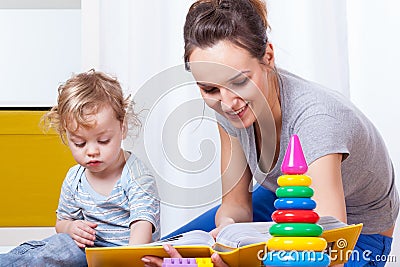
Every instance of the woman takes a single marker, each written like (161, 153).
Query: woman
(259, 107)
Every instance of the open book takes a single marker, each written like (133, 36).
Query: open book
(239, 244)
(229, 238)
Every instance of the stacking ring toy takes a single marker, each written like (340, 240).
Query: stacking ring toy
(296, 243)
(301, 216)
(300, 180)
(296, 259)
(295, 204)
(294, 191)
(295, 229)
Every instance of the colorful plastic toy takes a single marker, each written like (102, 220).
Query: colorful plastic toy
(294, 161)
(204, 262)
(295, 231)
(297, 259)
(286, 180)
(301, 216)
(295, 204)
(187, 262)
(294, 191)
(181, 262)
(288, 243)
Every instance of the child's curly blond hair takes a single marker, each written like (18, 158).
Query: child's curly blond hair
(84, 94)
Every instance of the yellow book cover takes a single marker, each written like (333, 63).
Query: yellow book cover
(240, 244)
(341, 238)
(131, 256)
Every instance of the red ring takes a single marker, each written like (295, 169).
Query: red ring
(301, 216)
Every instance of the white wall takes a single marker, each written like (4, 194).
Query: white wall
(374, 56)
(39, 49)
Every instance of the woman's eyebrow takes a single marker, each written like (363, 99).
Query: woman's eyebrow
(238, 75)
(230, 79)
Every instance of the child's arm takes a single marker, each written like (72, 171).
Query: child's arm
(82, 232)
(141, 232)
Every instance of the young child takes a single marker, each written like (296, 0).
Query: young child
(110, 197)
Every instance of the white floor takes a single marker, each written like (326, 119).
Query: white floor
(12, 237)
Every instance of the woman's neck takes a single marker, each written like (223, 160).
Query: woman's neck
(268, 137)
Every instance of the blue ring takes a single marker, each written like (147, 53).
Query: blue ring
(296, 259)
(295, 203)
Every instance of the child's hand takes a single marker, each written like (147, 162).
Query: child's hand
(82, 232)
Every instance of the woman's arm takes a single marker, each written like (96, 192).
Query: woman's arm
(328, 187)
(326, 177)
(236, 178)
(140, 232)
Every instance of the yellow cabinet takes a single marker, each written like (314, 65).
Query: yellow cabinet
(33, 166)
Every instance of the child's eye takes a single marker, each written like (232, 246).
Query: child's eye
(80, 144)
(103, 142)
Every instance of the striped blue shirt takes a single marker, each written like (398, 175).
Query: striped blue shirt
(134, 197)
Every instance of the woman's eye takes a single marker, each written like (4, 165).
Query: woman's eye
(103, 142)
(241, 82)
(80, 144)
(210, 90)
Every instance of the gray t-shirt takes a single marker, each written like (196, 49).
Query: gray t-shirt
(327, 123)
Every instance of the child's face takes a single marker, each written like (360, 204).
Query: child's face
(98, 148)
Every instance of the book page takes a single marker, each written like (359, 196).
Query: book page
(330, 222)
(195, 238)
(241, 234)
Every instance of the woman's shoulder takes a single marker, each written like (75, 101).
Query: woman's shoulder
(304, 98)
(294, 85)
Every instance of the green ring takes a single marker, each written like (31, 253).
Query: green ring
(295, 229)
(294, 191)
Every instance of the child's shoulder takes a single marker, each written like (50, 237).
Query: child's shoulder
(135, 162)
(136, 167)
(74, 173)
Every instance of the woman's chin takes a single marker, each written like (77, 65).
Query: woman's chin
(240, 123)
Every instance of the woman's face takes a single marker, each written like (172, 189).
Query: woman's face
(232, 82)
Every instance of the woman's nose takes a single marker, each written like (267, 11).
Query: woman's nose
(229, 99)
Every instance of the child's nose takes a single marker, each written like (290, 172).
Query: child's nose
(92, 150)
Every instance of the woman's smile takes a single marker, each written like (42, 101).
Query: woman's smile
(237, 114)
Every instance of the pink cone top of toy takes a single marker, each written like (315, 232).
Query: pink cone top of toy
(294, 161)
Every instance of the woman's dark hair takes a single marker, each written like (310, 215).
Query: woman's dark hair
(241, 22)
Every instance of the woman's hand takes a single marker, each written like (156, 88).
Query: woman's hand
(152, 261)
(222, 223)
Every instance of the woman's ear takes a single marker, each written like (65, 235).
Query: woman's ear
(269, 57)
(124, 129)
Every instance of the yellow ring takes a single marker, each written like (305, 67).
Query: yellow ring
(288, 180)
(296, 243)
